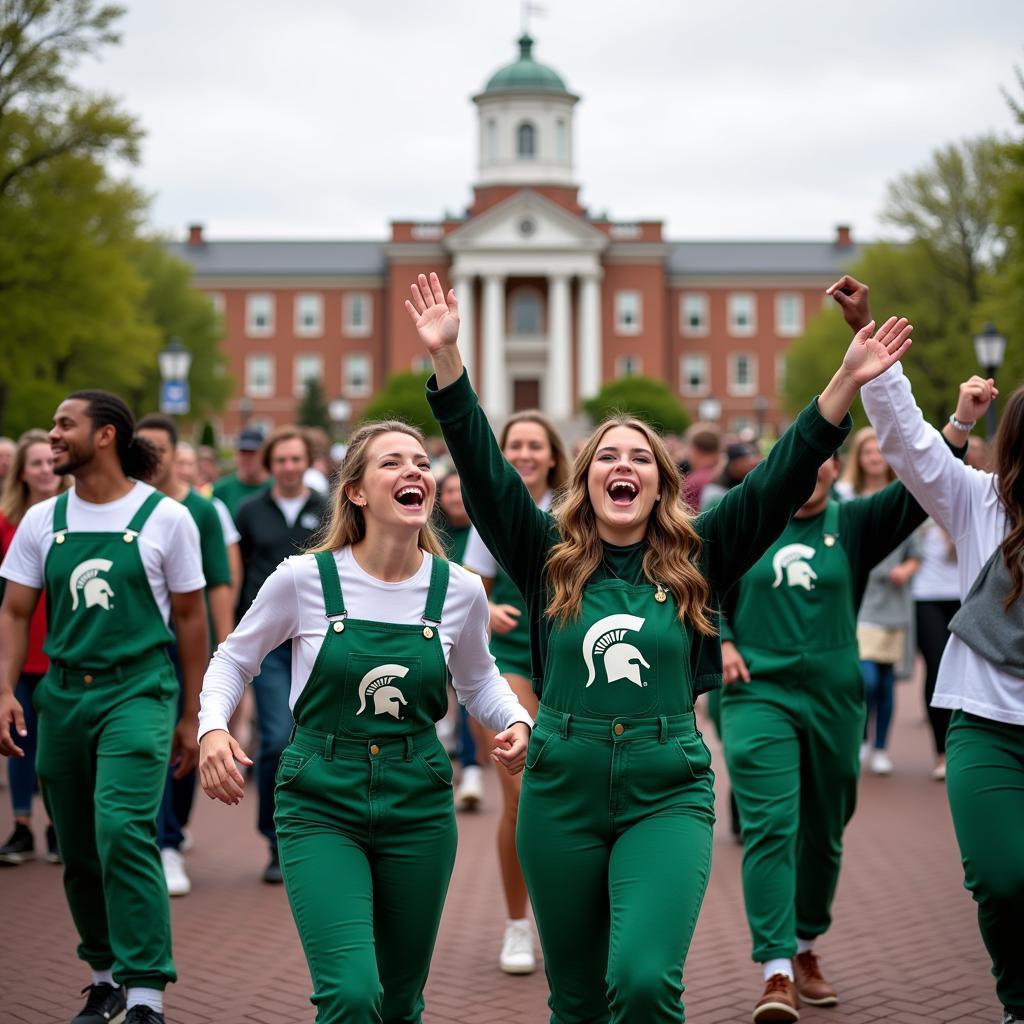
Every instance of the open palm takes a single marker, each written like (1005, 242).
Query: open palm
(870, 355)
(435, 315)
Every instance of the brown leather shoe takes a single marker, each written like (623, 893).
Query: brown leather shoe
(779, 1003)
(811, 983)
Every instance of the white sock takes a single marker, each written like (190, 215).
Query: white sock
(521, 921)
(151, 997)
(780, 965)
(103, 978)
(804, 945)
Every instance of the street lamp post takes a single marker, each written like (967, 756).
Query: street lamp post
(709, 409)
(175, 361)
(339, 410)
(989, 347)
(760, 412)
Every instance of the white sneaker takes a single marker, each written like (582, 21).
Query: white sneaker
(517, 948)
(864, 751)
(879, 763)
(939, 772)
(470, 793)
(178, 883)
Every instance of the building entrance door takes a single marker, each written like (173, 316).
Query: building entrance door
(525, 394)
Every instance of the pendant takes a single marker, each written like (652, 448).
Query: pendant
(661, 597)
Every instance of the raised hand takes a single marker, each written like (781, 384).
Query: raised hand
(435, 315)
(976, 395)
(871, 354)
(852, 297)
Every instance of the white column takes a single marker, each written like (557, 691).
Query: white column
(588, 318)
(467, 329)
(559, 384)
(493, 372)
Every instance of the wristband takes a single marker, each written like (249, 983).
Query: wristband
(959, 424)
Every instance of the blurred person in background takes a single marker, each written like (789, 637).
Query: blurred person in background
(250, 476)
(740, 458)
(207, 469)
(702, 461)
(7, 450)
(276, 521)
(31, 479)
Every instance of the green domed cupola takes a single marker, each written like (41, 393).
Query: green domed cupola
(525, 74)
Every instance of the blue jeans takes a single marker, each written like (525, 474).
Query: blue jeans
(271, 689)
(467, 747)
(176, 805)
(879, 683)
(21, 771)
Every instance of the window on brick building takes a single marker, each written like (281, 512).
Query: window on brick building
(780, 373)
(694, 315)
(357, 381)
(259, 315)
(357, 314)
(526, 311)
(217, 301)
(307, 368)
(259, 376)
(628, 366)
(628, 312)
(742, 373)
(309, 315)
(742, 314)
(526, 141)
(789, 314)
(694, 374)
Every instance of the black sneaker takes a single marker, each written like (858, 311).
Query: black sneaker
(272, 875)
(52, 853)
(140, 1014)
(19, 847)
(104, 1005)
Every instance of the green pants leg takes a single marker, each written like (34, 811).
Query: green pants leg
(792, 759)
(102, 762)
(367, 851)
(985, 781)
(615, 844)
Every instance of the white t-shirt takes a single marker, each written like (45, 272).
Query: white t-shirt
(168, 543)
(291, 507)
(964, 502)
(479, 559)
(227, 524)
(937, 579)
(290, 605)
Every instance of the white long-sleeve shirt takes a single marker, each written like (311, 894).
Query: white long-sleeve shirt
(290, 606)
(964, 502)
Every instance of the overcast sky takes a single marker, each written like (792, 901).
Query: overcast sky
(724, 118)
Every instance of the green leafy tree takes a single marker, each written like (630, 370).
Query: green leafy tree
(649, 399)
(404, 397)
(312, 411)
(207, 436)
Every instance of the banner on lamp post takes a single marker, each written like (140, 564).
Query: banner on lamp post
(174, 397)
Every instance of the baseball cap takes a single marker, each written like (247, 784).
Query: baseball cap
(741, 450)
(250, 439)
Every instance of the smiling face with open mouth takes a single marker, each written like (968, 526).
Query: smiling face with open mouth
(397, 487)
(623, 482)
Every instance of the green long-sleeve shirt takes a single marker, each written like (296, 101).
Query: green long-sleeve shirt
(734, 533)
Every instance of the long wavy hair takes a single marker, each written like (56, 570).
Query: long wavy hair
(674, 545)
(16, 499)
(1010, 487)
(346, 524)
(853, 471)
(559, 472)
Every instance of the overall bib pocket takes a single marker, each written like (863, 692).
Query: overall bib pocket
(380, 695)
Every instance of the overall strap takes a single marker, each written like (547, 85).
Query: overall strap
(830, 526)
(144, 512)
(334, 603)
(439, 574)
(60, 513)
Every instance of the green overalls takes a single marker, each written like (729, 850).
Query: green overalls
(107, 709)
(511, 650)
(616, 811)
(791, 735)
(365, 816)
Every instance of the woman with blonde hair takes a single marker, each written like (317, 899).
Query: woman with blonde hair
(622, 587)
(534, 449)
(365, 816)
(865, 471)
(31, 480)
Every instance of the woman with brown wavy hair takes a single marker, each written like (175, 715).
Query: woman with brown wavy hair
(981, 675)
(364, 811)
(534, 449)
(622, 586)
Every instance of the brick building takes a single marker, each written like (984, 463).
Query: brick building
(555, 301)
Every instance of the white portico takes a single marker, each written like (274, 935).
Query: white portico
(527, 274)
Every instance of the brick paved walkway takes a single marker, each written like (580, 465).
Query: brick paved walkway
(904, 947)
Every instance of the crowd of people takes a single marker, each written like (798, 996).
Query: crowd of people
(405, 611)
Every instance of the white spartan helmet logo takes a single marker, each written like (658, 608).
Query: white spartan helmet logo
(86, 579)
(792, 558)
(387, 698)
(621, 660)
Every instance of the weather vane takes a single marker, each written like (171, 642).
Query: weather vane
(528, 9)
